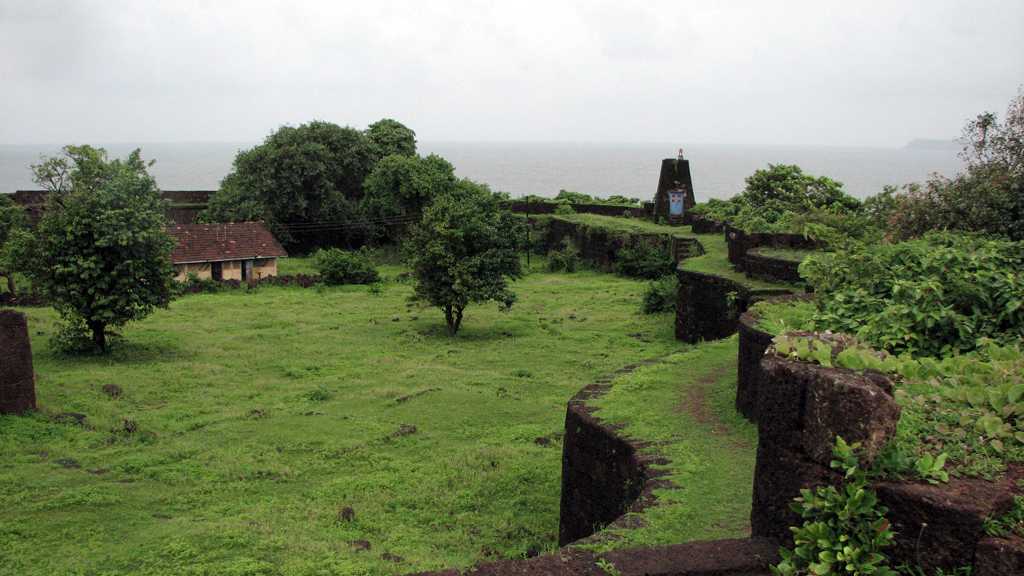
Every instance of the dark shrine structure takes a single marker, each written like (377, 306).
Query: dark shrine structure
(674, 198)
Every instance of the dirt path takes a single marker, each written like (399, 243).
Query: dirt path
(695, 403)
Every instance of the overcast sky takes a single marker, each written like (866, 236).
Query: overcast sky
(745, 72)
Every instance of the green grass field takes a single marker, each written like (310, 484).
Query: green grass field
(260, 417)
(685, 406)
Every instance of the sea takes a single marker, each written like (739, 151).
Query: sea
(521, 168)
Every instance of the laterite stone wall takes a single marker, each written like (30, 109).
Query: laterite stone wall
(709, 307)
(17, 379)
(802, 407)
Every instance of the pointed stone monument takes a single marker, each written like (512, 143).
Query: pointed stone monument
(674, 198)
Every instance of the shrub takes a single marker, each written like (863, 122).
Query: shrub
(661, 295)
(844, 529)
(564, 210)
(337, 266)
(644, 261)
(566, 259)
(935, 296)
(777, 199)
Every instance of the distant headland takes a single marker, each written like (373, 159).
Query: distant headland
(933, 144)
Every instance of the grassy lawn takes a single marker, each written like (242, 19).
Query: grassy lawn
(692, 391)
(337, 430)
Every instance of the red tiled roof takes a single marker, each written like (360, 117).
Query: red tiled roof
(220, 242)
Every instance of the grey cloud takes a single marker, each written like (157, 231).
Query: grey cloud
(798, 72)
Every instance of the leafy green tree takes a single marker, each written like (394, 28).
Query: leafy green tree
(12, 219)
(400, 187)
(391, 137)
(463, 251)
(310, 174)
(101, 254)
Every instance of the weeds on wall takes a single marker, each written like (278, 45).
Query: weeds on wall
(937, 296)
(961, 415)
(844, 531)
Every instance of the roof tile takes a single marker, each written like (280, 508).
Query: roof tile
(220, 242)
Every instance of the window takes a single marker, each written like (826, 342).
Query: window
(217, 271)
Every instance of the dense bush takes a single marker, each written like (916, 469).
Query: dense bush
(337, 266)
(780, 199)
(567, 258)
(934, 296)
(644, 261)
(988, 196)
(661, 295)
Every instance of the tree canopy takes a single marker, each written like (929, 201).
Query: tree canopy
(400, 187)
(464, 251)
(390, 137)
(307, 180)
(101, 254)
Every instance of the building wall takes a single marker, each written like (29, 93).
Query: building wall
(231, 270)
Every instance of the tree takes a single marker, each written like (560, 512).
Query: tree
(463, 251)
(391, 137)
(399, 187)
(300, 178)
(12, 220)
(101, 253)
(988, 196)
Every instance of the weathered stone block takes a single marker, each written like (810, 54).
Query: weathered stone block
(17, 380)
(779, 475)
(999, 557)
(804, 406)
(941, 526)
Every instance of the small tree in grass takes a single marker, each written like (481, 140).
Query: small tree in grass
(101, 255)
(463, 251)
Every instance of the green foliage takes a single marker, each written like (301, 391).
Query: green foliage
(12, 221)
(845, 530)
(464, 250)
(931, 297)
(306, 174)
(101, 255)
(661, 295)
(988, 196)
(782, 198)
(962, 413)
(574, 197)
(1009, 524)
(566, 259)
(337, 266)
(785, 316)
(398, 189)
(391, 137)
(564, 210)
(644, 260)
